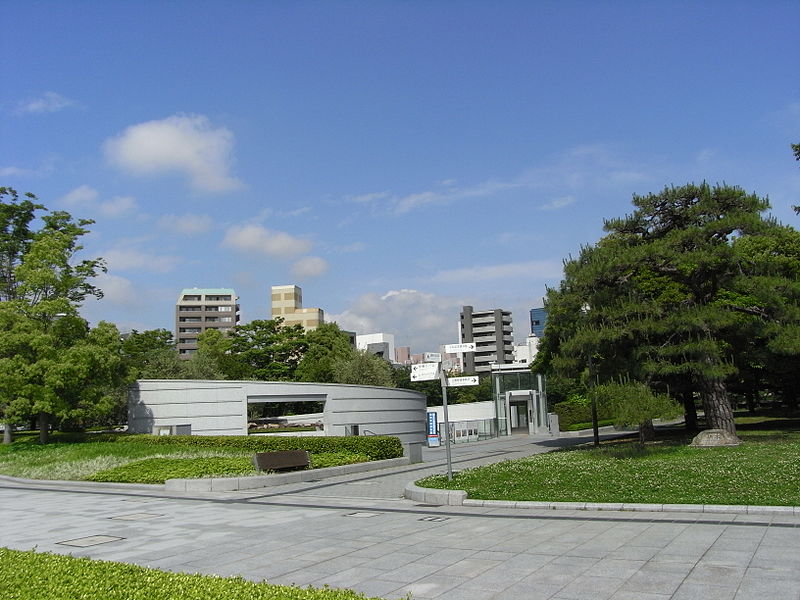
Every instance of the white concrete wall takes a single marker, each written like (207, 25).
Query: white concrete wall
(220, 407)
(210, 407)
(471, 411)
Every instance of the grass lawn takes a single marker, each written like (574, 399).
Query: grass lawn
(133, 462)
(764, 470)
(35, 576)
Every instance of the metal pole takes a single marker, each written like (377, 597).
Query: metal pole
(446, 428)
(595, 428)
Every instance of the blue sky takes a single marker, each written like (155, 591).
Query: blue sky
(395, 159)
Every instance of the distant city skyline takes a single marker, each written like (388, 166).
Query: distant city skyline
(395, 160)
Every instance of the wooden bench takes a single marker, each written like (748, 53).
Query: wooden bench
(282, 460)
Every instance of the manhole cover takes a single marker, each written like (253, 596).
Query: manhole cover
(136, 517)
(92, 540)
(363, 515)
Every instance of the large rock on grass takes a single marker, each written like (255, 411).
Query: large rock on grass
(712, 438)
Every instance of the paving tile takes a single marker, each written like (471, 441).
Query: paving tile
(702, 591)
(716, 574)
(586, 587)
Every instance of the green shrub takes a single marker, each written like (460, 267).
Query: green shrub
(587, 425)
(34, 576)
(578, 409)
(335, 459)
(375, 447)
(158, 470)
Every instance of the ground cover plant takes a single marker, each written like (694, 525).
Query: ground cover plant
(153, 459)
(30, 575)
(764, 470)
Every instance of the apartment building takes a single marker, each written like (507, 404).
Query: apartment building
(287, 303)
(200, 309)
(493, 334)
(380, 344)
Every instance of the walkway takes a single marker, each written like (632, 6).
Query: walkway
(358, 532)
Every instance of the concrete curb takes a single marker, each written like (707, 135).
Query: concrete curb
(233, 484)
(227, 484)
(459, 498)
(86, 484)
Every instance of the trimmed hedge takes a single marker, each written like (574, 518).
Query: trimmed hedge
(39, 576)
(158, 470)
(377, 447)
(336, 459)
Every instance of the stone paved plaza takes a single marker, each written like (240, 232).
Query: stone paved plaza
(358, 532)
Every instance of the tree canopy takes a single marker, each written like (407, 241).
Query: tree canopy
(56, 365)
(665, 297)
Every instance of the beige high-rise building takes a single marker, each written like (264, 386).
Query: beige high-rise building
(200, 309)
(287, 303)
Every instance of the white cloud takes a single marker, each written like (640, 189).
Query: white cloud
(187, 144)
(85, 198)
(48, 102)
(558, 203)
(367, 198)
(539, 269)
(256, 238)
(12, 171)
(351, 248)
(129, 259)
(81, 196)
(420, 319)
(188, 224)
(298, 211)
(482, 190)
(309, 267)
(117, 290)
(118, 206)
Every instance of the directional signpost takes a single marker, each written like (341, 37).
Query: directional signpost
(459, 348)
(425, 372)
(429, 371)
(457, 381)
(462, 381)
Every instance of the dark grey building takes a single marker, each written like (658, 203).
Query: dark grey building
(200, 309)
(493, 334)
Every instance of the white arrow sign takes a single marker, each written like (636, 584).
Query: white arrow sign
(455, 348)
(424, 371)
(462, 381)
(432, 357)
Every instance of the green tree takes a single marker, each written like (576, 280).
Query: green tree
(265, 350)
(326, 345)
(151, 354)
(43, 284)
(363, 368)
(633, 404)
(662, 296)
(796, 150)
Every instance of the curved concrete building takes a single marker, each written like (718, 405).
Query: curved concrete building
(199, 407)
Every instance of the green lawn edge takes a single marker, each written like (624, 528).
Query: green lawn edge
(30, 575)
(763, 471)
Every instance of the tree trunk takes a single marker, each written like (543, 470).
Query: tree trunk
(790, 397)
(689, 412)
(647, 432)
(7, 438)
(752, 396)
(44, 427)
(717, 405)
